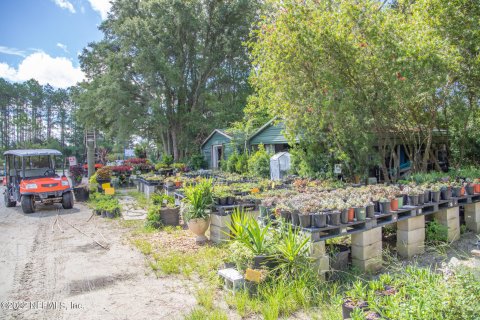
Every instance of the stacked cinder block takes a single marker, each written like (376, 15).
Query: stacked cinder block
(219, 231)
(450, 217)
(367, 250)
(472, 217)
(411, 236)
(320, 257)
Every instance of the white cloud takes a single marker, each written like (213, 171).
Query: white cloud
(62, 46)
(12, 51)
(65, 4)
(58, 72)
(102, 6)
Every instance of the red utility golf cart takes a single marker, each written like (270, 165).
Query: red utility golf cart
(30, 177)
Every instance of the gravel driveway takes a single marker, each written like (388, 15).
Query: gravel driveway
(50, 271)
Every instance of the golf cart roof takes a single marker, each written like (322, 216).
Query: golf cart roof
(33, 152)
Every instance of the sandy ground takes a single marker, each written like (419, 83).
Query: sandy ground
(49, 274)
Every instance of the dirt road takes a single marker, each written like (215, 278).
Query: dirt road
(49, 274)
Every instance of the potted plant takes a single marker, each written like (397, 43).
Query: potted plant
(356, 299)
(335, 217)
(198, 200)
(319, 219)
(385, 205)
(435, 193)
(104, 175)
(446, 192)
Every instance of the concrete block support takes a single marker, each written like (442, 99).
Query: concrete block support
(367, 250)
(450, 218)
(320, 257)
(411, 236)
(472, 217)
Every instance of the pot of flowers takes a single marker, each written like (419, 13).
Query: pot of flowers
(470, 189)
(350, 304)
(319, 219)
(284, 212)
(446, 192)
(385, 205)
(76, 174)
(370, 209)
(413, 199)
(104, 175)
(305, 220)
(198, 200)
(457, 190)
(360, 213)
(435, 193)
(335, 217)
(426, 196)
(476, 185)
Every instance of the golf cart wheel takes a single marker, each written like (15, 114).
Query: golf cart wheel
(67, 200)
(9, 203)
(28, 204)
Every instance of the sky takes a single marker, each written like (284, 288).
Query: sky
(41, 39)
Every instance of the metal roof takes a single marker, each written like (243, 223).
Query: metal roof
(33, 152)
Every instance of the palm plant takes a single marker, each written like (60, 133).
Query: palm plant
(292, 254)
(198, 199)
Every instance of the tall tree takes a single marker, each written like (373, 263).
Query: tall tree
(169, 69)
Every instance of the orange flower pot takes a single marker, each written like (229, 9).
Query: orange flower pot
(477, 188)
(394, 205)
(351, 214)
(462, 191)
(178, 184)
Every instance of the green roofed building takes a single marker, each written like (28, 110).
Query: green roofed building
(217, 147)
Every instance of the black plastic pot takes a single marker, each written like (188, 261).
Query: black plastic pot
(470, 190)
(82, 194)
(295, 219)
(222, 201)
(319, 220)
(385, 207)
(170, 216)
(110, 214)
(413, 200)
(370, 211)
(305, 220)
(262, 261)
(456, 192)
(421, 199)
(360, 213)
(334, 218)
(426, 196)
(347, 309)
(104, 214)
(435, 196)
(230, 201)
(286, 215)
(344, 216)
(446, 193)
(376, 206)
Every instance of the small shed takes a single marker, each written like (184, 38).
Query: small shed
(279, 165)
(271, 136)
(216, 148)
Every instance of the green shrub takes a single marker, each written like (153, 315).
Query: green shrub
(241, 166)
(259, 163)
(197, 162)
(231, 163)
(436, 233)
(168, 159)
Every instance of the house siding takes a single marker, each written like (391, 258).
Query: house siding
(216, 139)
(270, 135)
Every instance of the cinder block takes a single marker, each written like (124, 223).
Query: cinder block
(367, 237)
(370, 265)
(472, 212)
(322, 264)
(473, 226)
(409, 250)
(411, 224)
(218, 235)
(373, 250)
(221, 221)
(447, 214)
(317, 249)
(453, 234)
(412, 236)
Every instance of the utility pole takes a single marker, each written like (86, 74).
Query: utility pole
(90, 142)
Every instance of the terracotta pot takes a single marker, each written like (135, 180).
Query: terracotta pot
(178, 184)
(394, 204)
(351, 214)
(477, 188)
(462, 191)
(199, 227)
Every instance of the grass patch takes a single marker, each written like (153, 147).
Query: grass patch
(202, 314)
(143, 245)
(205, 297)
